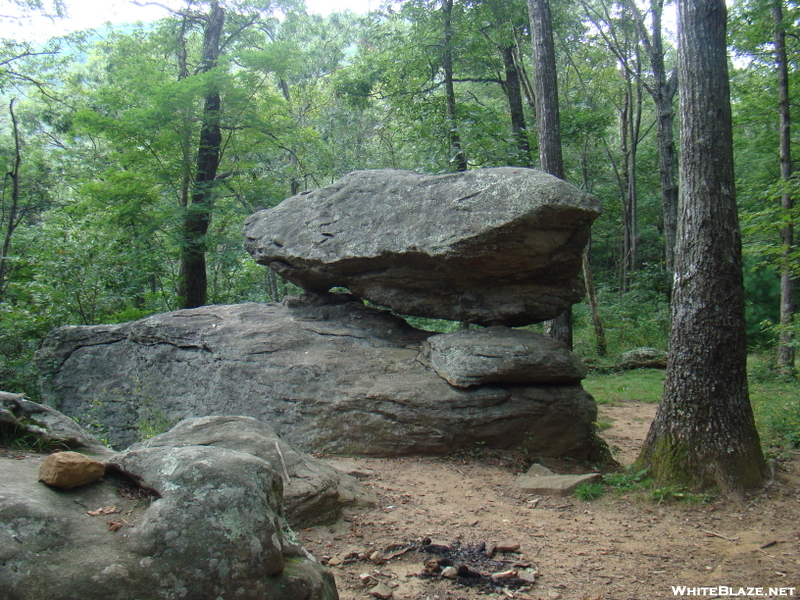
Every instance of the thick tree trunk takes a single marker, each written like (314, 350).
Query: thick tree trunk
(548, 118)
(548, 123)
(786, 353)
(513, 90)
(198, 213)
(704, 433)
(457, 153)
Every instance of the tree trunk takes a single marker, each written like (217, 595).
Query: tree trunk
(548, 119)
(704, 433)
(513, 90)
(663, 92)
(591, 295)
(548, 124)
(13, 209)
(458, 157)
(198, 213)
(786, 354)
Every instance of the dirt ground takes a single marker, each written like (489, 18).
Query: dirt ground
(618, 547)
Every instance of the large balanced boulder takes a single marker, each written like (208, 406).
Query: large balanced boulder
(327, 373)
(498, 246)
(195, 522)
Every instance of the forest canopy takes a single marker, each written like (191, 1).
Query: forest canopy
(132, 154)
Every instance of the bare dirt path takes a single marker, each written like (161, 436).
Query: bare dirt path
(623, 546)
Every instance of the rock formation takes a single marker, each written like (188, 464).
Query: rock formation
(173, 519)
(314, 492)
(327, 373)
(478, 356)
(490, 246)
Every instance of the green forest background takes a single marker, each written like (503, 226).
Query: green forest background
(99, 139)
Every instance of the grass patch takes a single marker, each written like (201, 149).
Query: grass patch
(628, 480)
(776, 405)
(21, 439)
(590, 490)
(677, 494)
(638, 385)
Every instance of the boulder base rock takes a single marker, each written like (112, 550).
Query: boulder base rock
(478, 356)
(211, 528)
(314, 493)
(496, 246)
(326, 372)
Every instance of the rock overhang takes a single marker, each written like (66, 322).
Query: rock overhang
(498, 246)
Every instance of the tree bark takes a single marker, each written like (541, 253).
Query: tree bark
(513, 90)
(459, 158)
(13, 209)
(198, 213)
(548, 118)
(786, 353)
(548, 124)
(704, 433)
(591, 295)
(662, 90)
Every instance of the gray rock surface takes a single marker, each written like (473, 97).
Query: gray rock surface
(498, 246)
(554, 485)
(213, 529)
(327, 373)
(314, 493)
(479, 356)
(44, 426)
(643, 358)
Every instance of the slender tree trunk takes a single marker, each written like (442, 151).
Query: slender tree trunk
(786, 353)
(198, 213)
(186, 142)
(630, 128)
(624, 185)
(13, 209)
(548, 123)
(591, 294)
(458, 157)
(663, 92)
(513, 90)
(704, 433)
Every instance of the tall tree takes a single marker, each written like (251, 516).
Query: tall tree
(704, 433)
(459, 158)
(548, 122)
(662, 89)
(786, 353)
(10, 218)
(194, 279)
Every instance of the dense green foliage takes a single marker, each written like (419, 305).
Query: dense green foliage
(100, 145)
